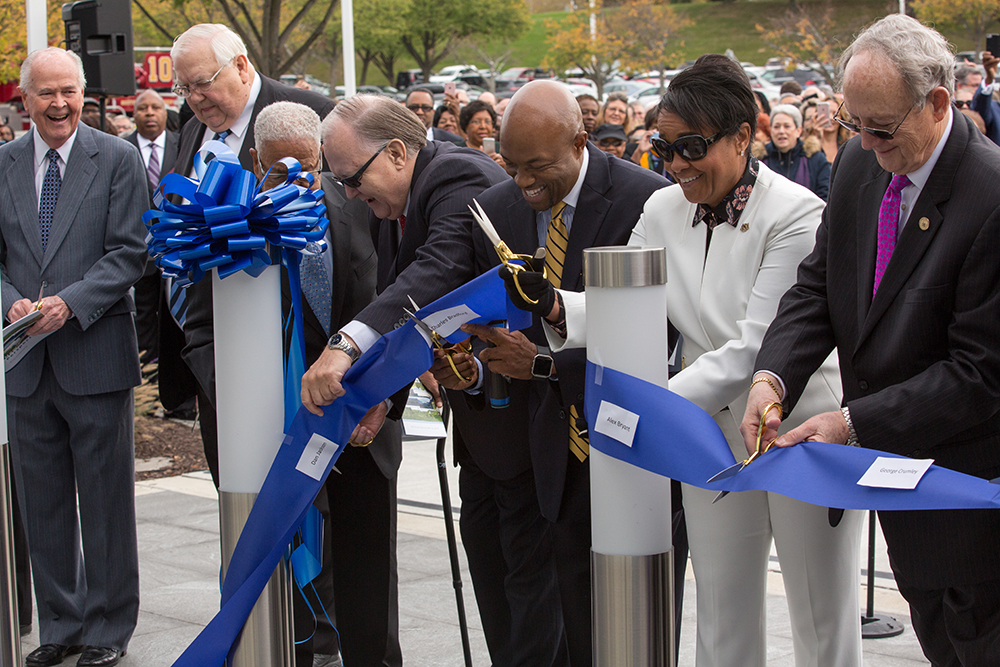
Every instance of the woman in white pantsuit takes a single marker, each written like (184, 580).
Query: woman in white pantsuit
(735, 232)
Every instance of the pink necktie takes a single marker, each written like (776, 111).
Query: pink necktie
(888, 224)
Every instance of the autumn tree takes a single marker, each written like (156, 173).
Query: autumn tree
(377, 35)
(434, 28)
(974, 18)
(14, 36)
(571, 46)
(654, 36)
(275, 41)
(807, 35)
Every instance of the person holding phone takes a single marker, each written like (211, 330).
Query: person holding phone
(477, 121)
(983, 101)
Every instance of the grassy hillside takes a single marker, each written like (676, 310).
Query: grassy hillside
(717, 26)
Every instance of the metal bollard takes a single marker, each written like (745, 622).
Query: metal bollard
(632, 555)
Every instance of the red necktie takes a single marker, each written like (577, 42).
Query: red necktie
(402, 223)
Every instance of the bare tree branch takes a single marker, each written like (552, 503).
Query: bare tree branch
(156, 24)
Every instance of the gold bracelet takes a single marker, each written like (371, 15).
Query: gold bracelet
(766, 379)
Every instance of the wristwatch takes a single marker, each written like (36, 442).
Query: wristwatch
(339, 341)
(541, 366)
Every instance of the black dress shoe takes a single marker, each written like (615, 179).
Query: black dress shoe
(96, 656)
(50, 654)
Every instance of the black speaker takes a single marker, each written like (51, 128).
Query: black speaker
(100, 32)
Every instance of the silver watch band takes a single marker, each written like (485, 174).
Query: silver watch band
(852, 435)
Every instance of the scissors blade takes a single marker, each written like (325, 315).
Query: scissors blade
(722, 494)
(419, 323)
(727, 473)
(413, 303)
(485, 224)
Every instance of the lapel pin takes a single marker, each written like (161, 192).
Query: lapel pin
(745, 227)
(924, 224)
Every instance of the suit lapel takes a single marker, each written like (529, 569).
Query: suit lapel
(914, 239)
(169, 154)
(80, 173)
(21, 185)
(591, 208)
(340, 246)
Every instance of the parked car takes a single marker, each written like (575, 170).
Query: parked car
(771, 90)
(408, 77)
(647, 97)
(627, 88)
(804, 76)
(453, 72)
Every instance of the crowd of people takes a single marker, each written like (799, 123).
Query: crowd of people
(831, 252)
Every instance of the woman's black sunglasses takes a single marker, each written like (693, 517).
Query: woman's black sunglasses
(691, 147)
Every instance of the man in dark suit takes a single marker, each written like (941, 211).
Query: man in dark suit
(600, 199)
(158, 148)
(360, 500)
(421, 102)
(904, 282)
(71, 224)
(212, 72)
(983, 101)
(421, 226)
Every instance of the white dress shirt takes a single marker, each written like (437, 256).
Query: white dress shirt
(145, 148)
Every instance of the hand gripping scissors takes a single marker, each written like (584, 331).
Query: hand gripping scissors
(439, 341)
(761, 449)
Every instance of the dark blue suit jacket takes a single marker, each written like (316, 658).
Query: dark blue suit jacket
(989, 109)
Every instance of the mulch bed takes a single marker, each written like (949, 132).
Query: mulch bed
(158, 436)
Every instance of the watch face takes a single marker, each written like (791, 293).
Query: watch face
(541, 366)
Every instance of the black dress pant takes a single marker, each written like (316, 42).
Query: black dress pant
(956, 627)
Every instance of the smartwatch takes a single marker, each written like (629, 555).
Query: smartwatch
(541, 366)
(338, 341)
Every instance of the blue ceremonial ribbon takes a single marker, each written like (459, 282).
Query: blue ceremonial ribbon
(677, 439)
(287, 493)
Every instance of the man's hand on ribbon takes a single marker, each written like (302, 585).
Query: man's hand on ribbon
(536, 287)
(445, 376)
(321, 383)
(513, 354)
(762, 394)
(826, 427)
(369, 426)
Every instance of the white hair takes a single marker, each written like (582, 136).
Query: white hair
(225, 43)
(26, 79)
(923, 58)
(286, 121)
(789, 110)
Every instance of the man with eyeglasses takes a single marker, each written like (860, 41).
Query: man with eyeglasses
(213, 73)
(421, 102)
(904, 283)
(357, 584)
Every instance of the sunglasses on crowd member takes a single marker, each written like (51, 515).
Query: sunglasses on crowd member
(878, 134)
(355, 180)
(691, 147)
(963, 104)
(415, 108)
(610, 143)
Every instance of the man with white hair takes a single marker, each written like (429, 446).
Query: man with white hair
(359, 503)
(71, 232)
(904, 282)
(213, 73)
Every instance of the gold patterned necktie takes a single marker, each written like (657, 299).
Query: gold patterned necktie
(556, 243)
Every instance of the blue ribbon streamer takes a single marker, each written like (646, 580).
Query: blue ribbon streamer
(394, 361)
(677, 439)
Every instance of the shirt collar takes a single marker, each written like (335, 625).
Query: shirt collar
(731, 207)
(573, 197)
(41, 148)
(239, 128)
(919, 176)
(160, 141)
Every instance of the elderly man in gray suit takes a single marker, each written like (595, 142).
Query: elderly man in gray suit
(70, 225)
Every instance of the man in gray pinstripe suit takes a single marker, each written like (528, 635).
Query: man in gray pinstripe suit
(71, 203)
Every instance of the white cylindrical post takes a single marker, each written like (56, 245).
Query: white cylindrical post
(347, 32)
(630, 507)
(250, 407)
(10, 636)
(35, 15)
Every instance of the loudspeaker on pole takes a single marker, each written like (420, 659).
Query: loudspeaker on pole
(100, 32)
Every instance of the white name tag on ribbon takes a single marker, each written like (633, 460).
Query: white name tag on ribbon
(616, 422)
(446, 322)
(315, 456)
(893, 473)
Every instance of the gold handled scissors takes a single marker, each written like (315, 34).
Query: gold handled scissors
(506, 254)
(440, 342)
(761, 449)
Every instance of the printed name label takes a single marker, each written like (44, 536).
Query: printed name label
(892, 473)
(446, 322)
(616, 422)
(316, 456)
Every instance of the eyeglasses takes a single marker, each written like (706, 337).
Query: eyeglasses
(878, 134)
(610, 143)
(200, 87)
(355, 180)
(416, 108)
(691, 147)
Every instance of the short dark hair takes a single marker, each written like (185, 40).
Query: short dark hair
(419, 89)
(471, 109)
(652, 115)
(438, 113)
(764, 102)
(587, 96)
(791, 87)
(713, 94)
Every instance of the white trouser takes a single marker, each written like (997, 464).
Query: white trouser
(730, 542)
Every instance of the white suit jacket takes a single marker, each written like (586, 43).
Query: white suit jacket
(722, 303)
